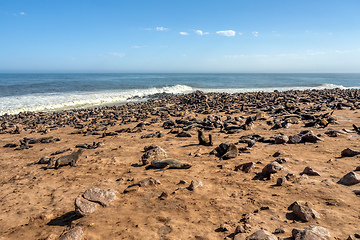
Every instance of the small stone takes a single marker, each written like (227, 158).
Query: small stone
(224, 228)
(239, 229)
(278, 153)
(282, 160)
(271, 168)
(311, 172)
(163, 196)
(279, 230)
(100, 196)
(281, 139)
(73, 234)
(195, 184)
(357, 192)
(84, 207)
(131, 189)
(294, 139)
(262, 235)
(281, 181)
(245, 167)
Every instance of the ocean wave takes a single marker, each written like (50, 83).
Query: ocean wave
(271, 89)
(46, 102)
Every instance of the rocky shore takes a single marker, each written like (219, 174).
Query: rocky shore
(277, 165)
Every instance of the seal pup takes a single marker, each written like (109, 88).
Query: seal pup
(70, 159)
(203, 140)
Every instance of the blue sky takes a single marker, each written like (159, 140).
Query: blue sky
(179, 36)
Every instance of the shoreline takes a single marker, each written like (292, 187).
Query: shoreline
(38, 202)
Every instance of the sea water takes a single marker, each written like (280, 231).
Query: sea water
(55, 92)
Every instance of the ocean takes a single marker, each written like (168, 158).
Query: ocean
(55, 92)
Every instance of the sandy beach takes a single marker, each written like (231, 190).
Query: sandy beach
(37, 202)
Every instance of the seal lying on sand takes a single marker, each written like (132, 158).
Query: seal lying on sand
(170, 163)
(70, 159)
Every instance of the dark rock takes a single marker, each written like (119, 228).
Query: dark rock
(245, 167)
(281, 181)
(350, 178)
(271, 168)
(281, 139)
(349, 152)
(304, 213)
(311, 172)
(294, 139)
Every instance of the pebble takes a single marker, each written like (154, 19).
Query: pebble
(73, 234)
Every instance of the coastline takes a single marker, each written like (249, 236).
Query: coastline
(37, 203)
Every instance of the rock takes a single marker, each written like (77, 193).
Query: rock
(310, 233)
(282, 160)
(262, 235)
(245, 167)
(349, 152)
(224, 227)
(311, 172)
(152, 153)
(357, 168)
(281, 139)
(272, 167)
(294, 139)
(279, 230)
(278, 153)
(357, 192)
(131, 189)
(84, 207)
(195, 184)
(281, 181)
(239, 229)
(73, 234)
(163, 196)
(310, 137)
(304, 213)
(100, 196)
(350, 178)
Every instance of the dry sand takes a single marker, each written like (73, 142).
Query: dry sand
(39, 204)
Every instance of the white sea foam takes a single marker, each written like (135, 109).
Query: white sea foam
(271, 89)
(46, 102)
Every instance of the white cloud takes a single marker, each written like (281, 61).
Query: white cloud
(227, 33)
(22, 13)
(201, 33)
(255, 34)
(117, 54)
(342, 51)
(137, 46)
(314, 53)
(161, 29)
(183, 33)
(240, 33)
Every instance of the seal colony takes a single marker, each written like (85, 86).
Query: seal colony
(276, 164)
